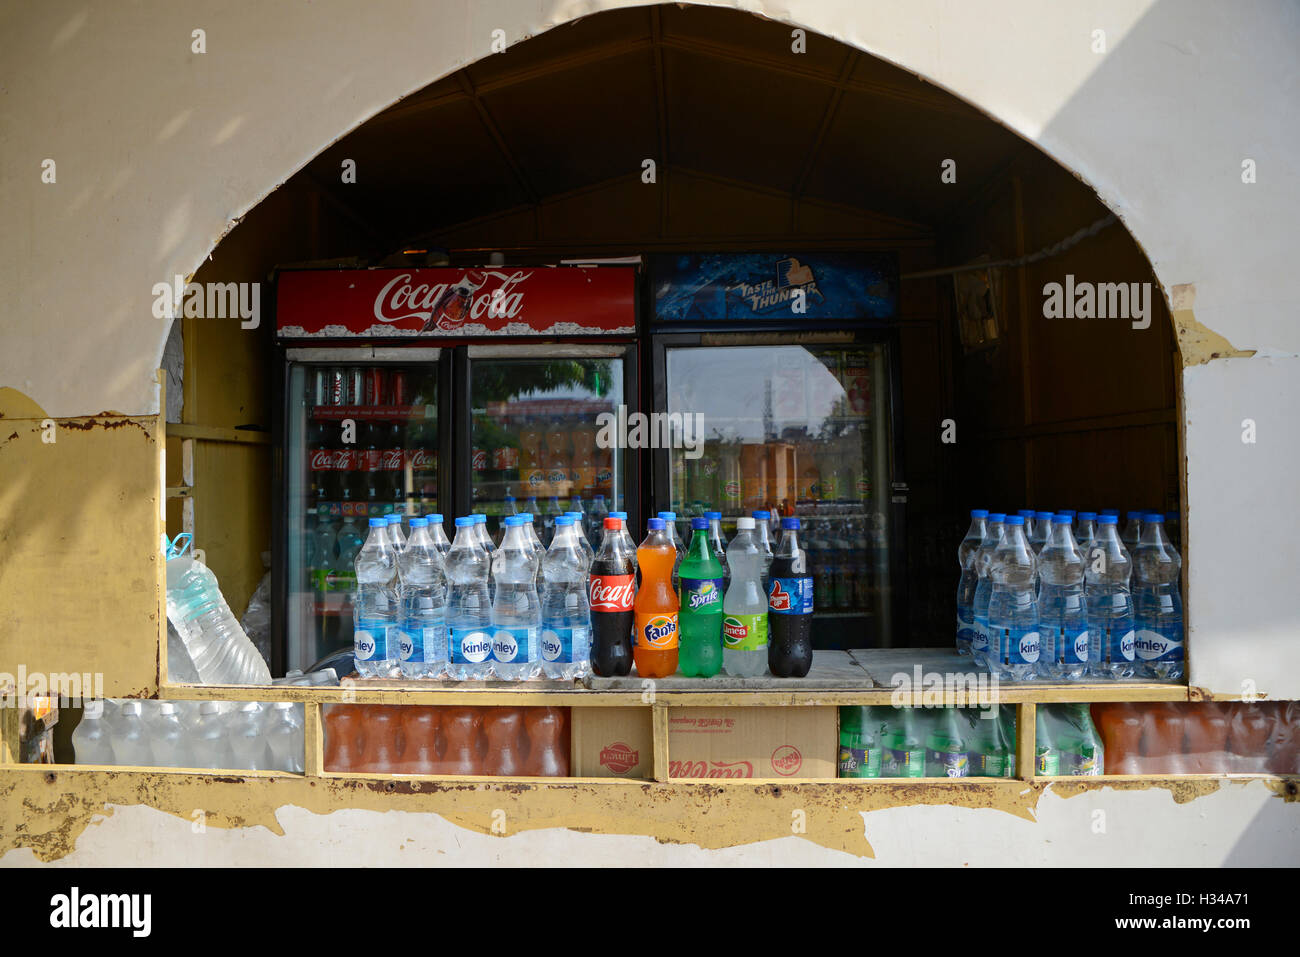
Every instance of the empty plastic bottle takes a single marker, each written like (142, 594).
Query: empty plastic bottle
(1111, 638)
(565, 644)
(1158, 603)
(170, 738)
(993, 531)
(1014, 645)
(374, 604)
(969, 579)
(580, 533)
(744, 607)
(437, 535)
(92, 739)
(422, 641)
(284, 734)
(719, 548)
(516, 609)
(1062, 612)
(131, 745)
(251, 750)
(469, 609)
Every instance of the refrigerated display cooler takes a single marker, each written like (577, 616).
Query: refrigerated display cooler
(791, 362)
(437, 390)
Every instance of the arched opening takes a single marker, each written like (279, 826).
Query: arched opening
(760, 145)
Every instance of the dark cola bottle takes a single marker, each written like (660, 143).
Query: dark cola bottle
(789, 606)
(611, 589)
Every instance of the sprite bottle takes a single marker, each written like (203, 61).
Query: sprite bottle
(860, 751)
(947, 747)
(993, 753)
(699, 652)
(904, 744)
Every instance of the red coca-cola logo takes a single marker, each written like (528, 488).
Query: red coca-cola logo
(480, 460)
(710, 769)
(612, 592)
(345, 460)
(322, 460)
(424, 460)
(476, 294)
(619, 758)
(393, 460)
(786, 760)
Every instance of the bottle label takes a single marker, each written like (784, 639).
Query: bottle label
(613, 593)
(370, 639)
(991, 765)
(566, 644)
(745, 632)
(1081, 764)
(1111, 644)
(1049, 762)
(514, 644)
(904, 763)
(952, 764)
(980, 640)
(1159, 643)
(470, 646)
(859, 762)
(1017, 646)
(702, 595)
(965, 626)
(790, 596)
(656, 631)
(420, 643)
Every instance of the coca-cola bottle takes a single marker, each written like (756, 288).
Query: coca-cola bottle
(320, 463)
(372, 466)
(394, 479)
(422, 453)
(455, 305)
(611, 589)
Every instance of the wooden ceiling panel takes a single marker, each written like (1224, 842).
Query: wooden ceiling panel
(754, 36)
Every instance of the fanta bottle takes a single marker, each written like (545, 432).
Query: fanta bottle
(503, 727)
(655, 642)
(548, 750)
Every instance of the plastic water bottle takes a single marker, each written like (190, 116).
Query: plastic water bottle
(284, 733)
(719, 547)
(469, 610)
(1014, 646)
(1106, 571)
(552, 511)
(170, 738)
(1158, 604)
(1132, 533)
(92, 739)
(422, 642)
(670, 527)
(349, 542)
(516, 609)
(1085, 530)
(580, 533)
(993, 531)
(969, 579)
(530, 532)
(1062, 613)
(251, 750)
(1028, 515)
(744, 606)
(484, 539)
(131, 745)
(566, 608)
(374, 604)
(763, 534)
(211, 743)
(1042, 531)
(437, 535)
(217, 646)
(596, 516)
(395, 534)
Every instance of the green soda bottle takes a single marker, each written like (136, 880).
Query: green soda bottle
(992, 754)
(1047, 756)
(947, 746)
(1077, 741)
(859, 743)
(904, 744)
(699, 622)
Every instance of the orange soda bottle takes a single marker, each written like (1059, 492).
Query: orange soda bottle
(548, 749)
(654, 646)
(504, 728)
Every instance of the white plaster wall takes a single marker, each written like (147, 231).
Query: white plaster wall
(1241, 824)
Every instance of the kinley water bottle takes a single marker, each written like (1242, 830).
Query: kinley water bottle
(1062, 616)
(1111, 637)
(516, 610)
(422, 640)
(1014, 645)
(1158, 604)
(993, 531)
(969, 579)
(469, 612)
(374, 607)
(566, 610)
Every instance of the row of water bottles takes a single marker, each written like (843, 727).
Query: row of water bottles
(1036, 599)
(470, 609)
(249, 735)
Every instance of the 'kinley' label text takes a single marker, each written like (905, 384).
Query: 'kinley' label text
(1106, 300)
(102, 910)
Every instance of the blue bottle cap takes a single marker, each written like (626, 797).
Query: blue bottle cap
(1067, 511)
(1108, 519)
(655, 525)
(599, 498)
(1136, 516)
(1158, 517)
(710, 516)
(1060, 518)
(668, 516)
(1026, 513)
(563, 520)
(1043, 516)
(392, 518)
(790, 524)
(1109, 511)
(555, 499)
(435, 518)
(757, 513)
(979, 513)
(1015, 520)
(699, 523)
(514, 521)
(1087, 516)
(464, 521)
(574, 514)
(510, 498)
(379, 523)
(622, 515)
(527, 517)
(419, 522)
(997, 516)
(479, 518)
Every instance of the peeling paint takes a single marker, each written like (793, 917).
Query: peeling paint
(1198, 344)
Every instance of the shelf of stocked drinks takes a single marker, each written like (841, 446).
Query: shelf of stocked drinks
(874, 676)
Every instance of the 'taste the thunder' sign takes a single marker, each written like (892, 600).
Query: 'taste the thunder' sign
(511, 301)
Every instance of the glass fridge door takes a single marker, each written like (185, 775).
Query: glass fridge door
(362, 440)
(537, 443)
(798, 431)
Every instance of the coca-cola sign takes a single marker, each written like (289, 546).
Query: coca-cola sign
(390, 303)
(612, 592)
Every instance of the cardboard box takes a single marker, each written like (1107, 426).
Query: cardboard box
(791, 742)
(612, 743)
